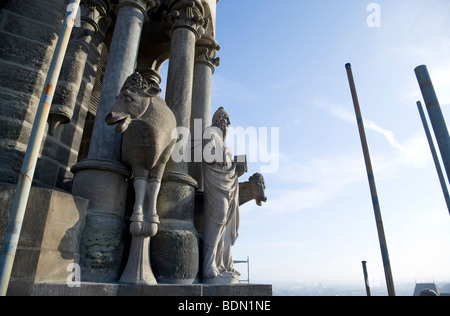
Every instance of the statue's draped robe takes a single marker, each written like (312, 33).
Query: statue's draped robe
(221, 215)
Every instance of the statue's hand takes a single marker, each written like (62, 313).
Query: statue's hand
(240, 168)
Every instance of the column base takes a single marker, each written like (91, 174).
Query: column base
(105, 184)
(175, 248)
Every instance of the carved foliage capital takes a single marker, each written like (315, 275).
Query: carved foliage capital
(206, 51)
(143, 5)
(102, 6)
(187, 14)
(92, 11)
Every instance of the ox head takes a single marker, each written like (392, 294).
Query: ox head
(132, 102)
(258, 188)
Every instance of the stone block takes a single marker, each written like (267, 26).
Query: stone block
(65, 179)
(24, 52)
(10, 164)
(55, 150)
(17, 78)
(22, 27)
(14, 130)
(238, 290)
(50, 235)
(71, 137)
(50, 12)
(195, 290)
(16, 106)
(46, 171)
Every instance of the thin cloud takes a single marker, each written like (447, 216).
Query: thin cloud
(412, 152)
(349, 117)
(312, 183)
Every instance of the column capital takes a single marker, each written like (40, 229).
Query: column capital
(186, 14)
(92, 11)
(102, 6)
(206, 51)
(143, 5)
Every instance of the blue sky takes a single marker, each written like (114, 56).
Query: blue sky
(283, 66)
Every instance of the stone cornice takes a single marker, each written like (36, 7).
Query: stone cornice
(186, 14)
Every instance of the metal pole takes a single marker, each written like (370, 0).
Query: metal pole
(435, 156)
(435, 113)
(366, 278)
(373, 189)
(248, 269)
(15, 221)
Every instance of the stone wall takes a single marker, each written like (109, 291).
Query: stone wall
(29, 32)
(28, 35)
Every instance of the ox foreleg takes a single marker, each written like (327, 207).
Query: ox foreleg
(143, 221)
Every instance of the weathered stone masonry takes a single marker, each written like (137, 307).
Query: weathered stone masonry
(28, 35)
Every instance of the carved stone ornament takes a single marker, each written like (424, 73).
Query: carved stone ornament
(92, 11)
(253, 189)
(147, 123)
(221, 206)
(186, 14)
(206, 51)
(143, 5)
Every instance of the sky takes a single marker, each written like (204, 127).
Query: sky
(283, 72)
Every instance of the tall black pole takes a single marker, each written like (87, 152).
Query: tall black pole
(435, 113)
(434, 153)
(373, 189)
(366, 278)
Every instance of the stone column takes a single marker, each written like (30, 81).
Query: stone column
(102, 178)
(74, 66)
(122, 60)
(205, 63)
(175, 249)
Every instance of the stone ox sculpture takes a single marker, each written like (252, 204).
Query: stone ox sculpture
(253, 189)
(147, 123)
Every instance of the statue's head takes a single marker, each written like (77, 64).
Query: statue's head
(259, 187)
(132, 101)
(221, 119)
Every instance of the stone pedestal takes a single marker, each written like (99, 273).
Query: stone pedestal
(105, 184)
(175, 249)
(50, 237)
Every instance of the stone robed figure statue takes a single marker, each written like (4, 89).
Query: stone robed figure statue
(221, 206)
